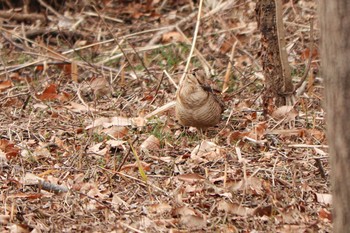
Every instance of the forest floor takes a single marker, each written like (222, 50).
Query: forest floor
(82, 150)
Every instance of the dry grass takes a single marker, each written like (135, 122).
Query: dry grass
(125, 174)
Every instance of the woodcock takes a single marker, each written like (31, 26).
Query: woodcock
(196, 104)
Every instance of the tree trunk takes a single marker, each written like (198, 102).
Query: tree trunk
(278, 83)
(335, 52)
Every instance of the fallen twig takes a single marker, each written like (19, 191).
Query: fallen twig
(32, 17)
(302, 80)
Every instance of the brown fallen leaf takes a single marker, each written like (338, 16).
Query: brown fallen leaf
(306, 53)
(183, 210)
(107, 122)
(116, 131)
(234, 208)
(258, 132)
(115, 143)
(190, 218)
(193, 221)
(172, 37)
(9, 149)
(118, 201)
(98, 149)
(190, 178)
(324, 198)
(152, 143)
(325, 214)
(100, 87)
(5, 85)
(288, 113)
(159, 208)
(206, 151)
(251, 184)
(19, 228)
(4, 219)
(292, 228)
(50, 93)
(75, 107)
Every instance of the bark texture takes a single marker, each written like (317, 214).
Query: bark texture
(271, 62)
(335, 52)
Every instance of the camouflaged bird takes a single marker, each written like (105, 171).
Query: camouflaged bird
(196, 104)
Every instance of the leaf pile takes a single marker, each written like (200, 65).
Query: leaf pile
(81, 151)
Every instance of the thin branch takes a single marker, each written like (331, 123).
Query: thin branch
(288, 85)
(229, 68)
(21, 16)
(193, 43)
(58, 56)
(159, 34)
(116, 41)
(49, 8)
(302, 80)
